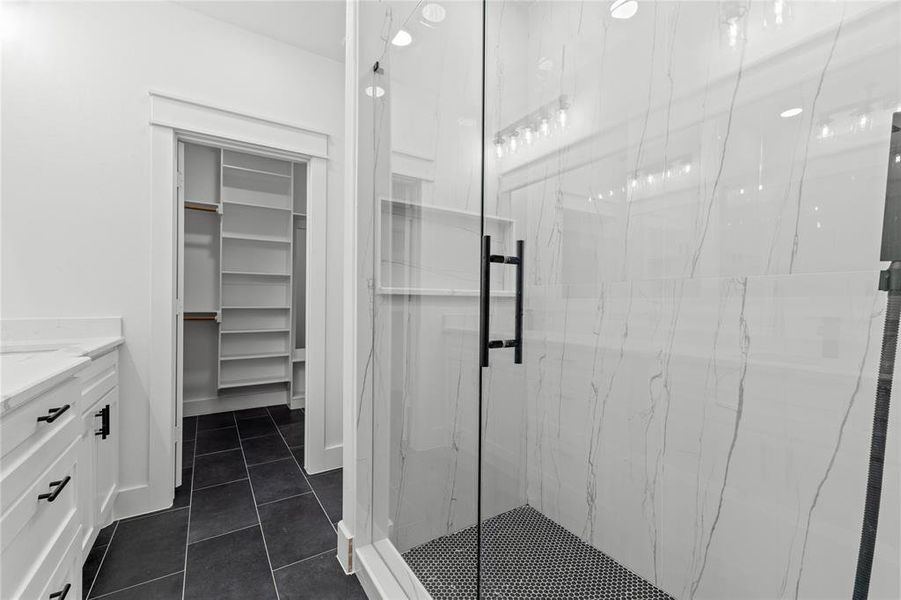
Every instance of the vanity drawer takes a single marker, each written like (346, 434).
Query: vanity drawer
(22, 424)
(35, 531)
(66, 573)
(24, 464)
(99, 378)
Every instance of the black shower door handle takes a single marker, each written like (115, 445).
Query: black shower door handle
(485, 343)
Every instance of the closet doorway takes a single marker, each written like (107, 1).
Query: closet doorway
(241, 279)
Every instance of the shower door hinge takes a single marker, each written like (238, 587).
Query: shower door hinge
(890, 279)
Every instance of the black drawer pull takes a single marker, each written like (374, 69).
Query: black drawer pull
(104, 430)
(61, 595)
(57, 488)
(53, 414)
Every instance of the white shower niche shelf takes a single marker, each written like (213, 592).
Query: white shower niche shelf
(412, 254)
(242, 256)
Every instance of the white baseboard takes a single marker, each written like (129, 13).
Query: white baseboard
(136, 500)
(298, 401)
(378, 571)
(328, 460)
(217, 404)
(345, 548)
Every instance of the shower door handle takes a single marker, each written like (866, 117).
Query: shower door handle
(487, 344)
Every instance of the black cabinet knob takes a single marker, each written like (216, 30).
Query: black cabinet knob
(61, 595)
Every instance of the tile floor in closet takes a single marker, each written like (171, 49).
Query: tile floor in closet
(247, 523)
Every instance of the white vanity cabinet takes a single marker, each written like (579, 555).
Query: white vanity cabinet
(99, 445)
(59, 467)
(40, 474)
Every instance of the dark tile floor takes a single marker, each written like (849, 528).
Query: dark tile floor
(247, 523)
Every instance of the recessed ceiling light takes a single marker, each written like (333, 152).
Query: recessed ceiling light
(402, 38)
(379, 91)
(434, 13)
(623, 9)
(791, 112)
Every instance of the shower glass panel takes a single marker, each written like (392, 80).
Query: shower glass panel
(420, 182)
(700, 190)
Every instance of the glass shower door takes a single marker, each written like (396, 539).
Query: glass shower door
(420, 194)
(699, 187)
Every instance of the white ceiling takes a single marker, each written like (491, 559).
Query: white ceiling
(316, 26)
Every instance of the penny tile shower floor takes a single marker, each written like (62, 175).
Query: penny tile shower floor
(525, 556)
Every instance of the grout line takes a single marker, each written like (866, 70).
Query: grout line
(285, 498)
(184, 579)
(253, 437)
(103, 558)
(106, 595)
(248, 417)
(266, 462)
(215, 451)
(218, 535)
(315, 495)
(335, 549)
(255, 508)
(218, 428)
(269, 462)
(215, 485)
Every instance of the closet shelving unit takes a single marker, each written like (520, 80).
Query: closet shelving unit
(241, 264)
(299, 238)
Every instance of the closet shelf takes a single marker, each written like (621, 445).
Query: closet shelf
(252, 205)
(255, 274)
(257, 171)
(256, 308)
(240, 331)
(226, 357)
(255, 238)
(248, 382)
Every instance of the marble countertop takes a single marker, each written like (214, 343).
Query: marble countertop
(29, 368)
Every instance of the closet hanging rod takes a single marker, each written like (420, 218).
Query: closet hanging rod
(200, 318)
(201, 208)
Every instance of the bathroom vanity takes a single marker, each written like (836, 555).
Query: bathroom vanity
(59, 449)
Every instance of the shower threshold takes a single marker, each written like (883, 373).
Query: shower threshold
(525, 555)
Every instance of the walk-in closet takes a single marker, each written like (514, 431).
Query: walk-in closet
(241, 278)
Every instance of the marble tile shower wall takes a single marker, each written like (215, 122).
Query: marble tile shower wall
(703, 324)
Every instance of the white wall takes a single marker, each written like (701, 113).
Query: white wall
(76, 161)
